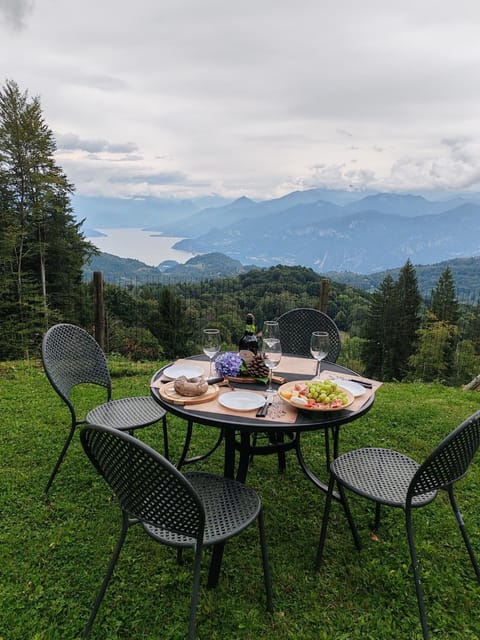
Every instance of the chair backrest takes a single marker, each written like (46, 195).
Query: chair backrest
(296, 327)
(71, 356)
(148, 487)
(449, 461)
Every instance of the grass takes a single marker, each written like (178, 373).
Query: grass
(55, 549)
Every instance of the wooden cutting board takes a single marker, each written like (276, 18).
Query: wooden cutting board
(168, 393)
(244, 379)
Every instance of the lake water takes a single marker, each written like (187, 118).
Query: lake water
(146, 246)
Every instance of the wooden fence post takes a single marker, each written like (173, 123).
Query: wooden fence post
(324, 291)
(99, 308)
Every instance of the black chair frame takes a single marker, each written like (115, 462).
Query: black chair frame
(72, 357)
(195, 510)
(387, 477)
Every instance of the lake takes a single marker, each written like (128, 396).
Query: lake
(147, 246)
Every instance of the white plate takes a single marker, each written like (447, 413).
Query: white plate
(355, 389)
(241, 400)
(187, 370)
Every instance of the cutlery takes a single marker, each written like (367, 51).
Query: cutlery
(214, 380)
(262, 412)
(367, 385)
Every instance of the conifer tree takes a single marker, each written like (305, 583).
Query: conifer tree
(407, 320)
(43, 249)
(377, 351)
(444, 302)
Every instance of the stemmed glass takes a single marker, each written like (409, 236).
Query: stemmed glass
(319, 346)
(211, 345)
(271, 350)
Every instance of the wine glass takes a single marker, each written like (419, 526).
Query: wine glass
(271, 350)
(319, 346)
(211, 345)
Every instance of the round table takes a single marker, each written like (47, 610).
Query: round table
(237, 425)
(243, 426)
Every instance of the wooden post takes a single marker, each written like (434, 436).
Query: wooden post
(99, 308)
(325, 287)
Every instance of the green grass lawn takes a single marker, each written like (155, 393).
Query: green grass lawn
(55, 549)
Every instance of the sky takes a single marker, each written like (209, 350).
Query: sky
(189, 98)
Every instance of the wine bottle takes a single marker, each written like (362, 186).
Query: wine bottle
(249, 340)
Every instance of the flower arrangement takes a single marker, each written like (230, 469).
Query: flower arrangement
(228, 364)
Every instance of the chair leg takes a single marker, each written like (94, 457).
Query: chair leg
(416, 574)
(108, 575)
(195, 590)
(266, 566)
(348, 514)
(165, 438)
(60, 457)
(463, 531)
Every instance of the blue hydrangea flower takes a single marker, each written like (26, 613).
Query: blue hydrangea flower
(228, 364)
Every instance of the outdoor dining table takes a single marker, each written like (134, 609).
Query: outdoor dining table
(280, 417)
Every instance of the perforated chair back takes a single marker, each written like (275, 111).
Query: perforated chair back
(297, 326)
(147, 486)
(449, 461)
(70, 357)
(195, 511)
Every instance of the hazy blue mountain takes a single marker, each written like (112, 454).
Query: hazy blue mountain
(210, 218)
(465, 272)
(363, 242)
(403, 204)
(101, 212)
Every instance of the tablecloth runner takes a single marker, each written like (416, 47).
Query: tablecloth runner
(279, 411)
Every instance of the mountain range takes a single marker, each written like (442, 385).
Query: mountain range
(327, 230)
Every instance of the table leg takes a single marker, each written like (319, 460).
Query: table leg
(323, 486)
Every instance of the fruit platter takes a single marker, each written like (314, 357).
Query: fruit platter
(316, 395)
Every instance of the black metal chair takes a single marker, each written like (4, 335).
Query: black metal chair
(71, 357)
(296, 328)
(194, 510)
(390, 478)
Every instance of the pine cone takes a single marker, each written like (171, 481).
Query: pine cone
(256, 367)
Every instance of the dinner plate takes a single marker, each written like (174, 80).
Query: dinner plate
(241, 400)
(290, 386)
(355, 388)
(188, 370)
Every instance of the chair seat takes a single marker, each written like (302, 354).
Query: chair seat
(229, 506)
(126, 413)
(382, 475)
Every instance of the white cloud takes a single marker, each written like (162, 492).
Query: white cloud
(251, 98)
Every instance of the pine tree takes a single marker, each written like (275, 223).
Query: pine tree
(43, 250)
(407, 321)
(444, 302)
(377, 351)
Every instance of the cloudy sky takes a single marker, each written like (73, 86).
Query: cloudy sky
(196, 97)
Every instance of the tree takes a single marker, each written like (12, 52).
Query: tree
(444, 302)
(391, 326)
(43, 249)
(407, 320)
(377, 350)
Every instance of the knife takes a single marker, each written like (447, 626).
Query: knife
(367, 385)
(214, 380)
(262, 412)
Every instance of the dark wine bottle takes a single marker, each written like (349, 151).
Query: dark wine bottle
(249, 340)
